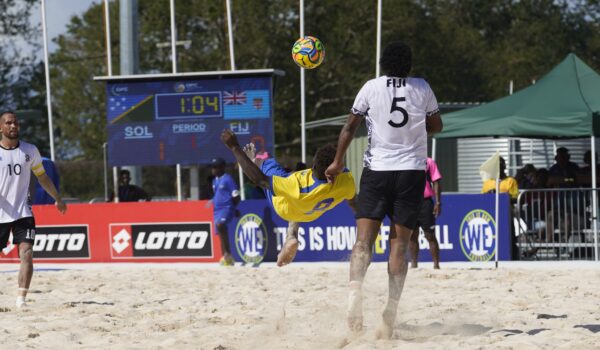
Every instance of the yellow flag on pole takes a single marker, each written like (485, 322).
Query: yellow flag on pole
(490, 169)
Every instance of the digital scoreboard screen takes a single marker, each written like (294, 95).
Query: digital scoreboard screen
(172, 120)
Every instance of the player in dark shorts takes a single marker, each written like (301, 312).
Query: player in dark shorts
(399, 111)
(18, 160)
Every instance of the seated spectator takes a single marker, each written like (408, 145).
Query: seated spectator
(526, 176)
(563, 174)
(584, 177)
(507, 184)
(127, 192)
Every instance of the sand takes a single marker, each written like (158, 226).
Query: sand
(301, 306)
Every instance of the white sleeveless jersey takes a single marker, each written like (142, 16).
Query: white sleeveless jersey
(16, 165)
(395, 111)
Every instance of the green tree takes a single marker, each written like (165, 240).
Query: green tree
(468, 50)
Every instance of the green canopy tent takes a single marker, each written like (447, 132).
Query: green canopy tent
(565, 103)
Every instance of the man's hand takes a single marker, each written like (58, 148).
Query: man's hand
(333, 170)
(229, 139)
(61, 206)
(437, 209)
(208, 203)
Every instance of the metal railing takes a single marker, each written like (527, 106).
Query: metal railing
(556, 224)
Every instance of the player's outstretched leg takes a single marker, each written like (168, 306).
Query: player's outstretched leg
(359, 263)
(290, 247)
(397, 269)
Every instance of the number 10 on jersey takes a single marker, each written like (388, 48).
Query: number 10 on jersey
(14, 169)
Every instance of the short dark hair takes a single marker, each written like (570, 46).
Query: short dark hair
(124, 172)
(7, 112)
(396, 60)
(324, 157)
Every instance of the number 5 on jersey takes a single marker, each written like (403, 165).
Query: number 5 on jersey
(394, 108)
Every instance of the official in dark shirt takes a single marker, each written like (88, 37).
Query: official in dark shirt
(127, 192)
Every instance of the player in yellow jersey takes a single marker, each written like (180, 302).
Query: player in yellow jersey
(301, 196)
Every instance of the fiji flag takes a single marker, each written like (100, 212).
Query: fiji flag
(248, 104)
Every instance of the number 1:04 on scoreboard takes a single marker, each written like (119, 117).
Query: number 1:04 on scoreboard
(188, 105)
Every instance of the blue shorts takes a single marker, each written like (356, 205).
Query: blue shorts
(271, 168)
(223, 215)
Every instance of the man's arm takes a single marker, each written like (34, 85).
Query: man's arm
(49, 187)
(433, 124)
(249, 168)
(344, 140)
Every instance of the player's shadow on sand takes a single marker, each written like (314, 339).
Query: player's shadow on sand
(406, 331)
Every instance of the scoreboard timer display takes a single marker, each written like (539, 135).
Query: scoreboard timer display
(168, 119)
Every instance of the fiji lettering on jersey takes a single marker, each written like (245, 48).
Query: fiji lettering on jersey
(396, 82)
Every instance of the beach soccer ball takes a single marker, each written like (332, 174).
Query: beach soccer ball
(308, 52)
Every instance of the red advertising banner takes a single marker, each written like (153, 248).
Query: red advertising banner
(123, 232)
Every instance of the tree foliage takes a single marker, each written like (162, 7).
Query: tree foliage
(468, 50)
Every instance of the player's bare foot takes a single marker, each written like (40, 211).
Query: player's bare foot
(436, 267)
(250, 151)
(288, 252)
(355, 316)
(386, 328)
(385, 331)
(355, 324)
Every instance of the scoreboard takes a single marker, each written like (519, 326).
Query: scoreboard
(168, 119)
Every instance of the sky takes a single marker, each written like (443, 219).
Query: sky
(58, 15)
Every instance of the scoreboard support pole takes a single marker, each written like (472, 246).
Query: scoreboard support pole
(232, 62)
(174, 67)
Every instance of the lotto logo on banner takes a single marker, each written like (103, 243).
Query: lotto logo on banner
(251, 238)
(61, 242)
(161, 240)
(55, 242)
(478, 236)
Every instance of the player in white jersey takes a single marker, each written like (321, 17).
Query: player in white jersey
(18, 160)
(400, 111)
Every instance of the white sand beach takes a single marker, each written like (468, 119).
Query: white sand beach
(301, 306)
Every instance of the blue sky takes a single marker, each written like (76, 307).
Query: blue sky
(58, 15)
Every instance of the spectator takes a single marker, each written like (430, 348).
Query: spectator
(507, 184)
(563, 174)
(127, 192)
(584, 177)
(526, 176)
